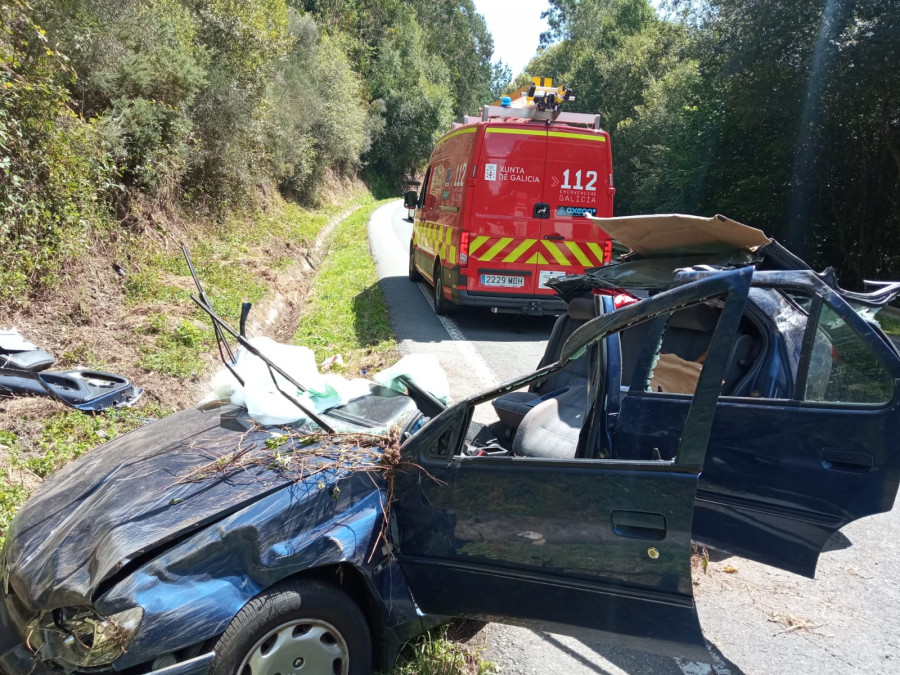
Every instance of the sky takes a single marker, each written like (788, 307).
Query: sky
(516, 26)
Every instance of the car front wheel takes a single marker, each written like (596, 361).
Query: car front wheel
(303, 627)
(413, 272)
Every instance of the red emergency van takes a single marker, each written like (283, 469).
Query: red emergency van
(502, 207)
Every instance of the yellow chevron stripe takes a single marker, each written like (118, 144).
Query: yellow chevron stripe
(583, 137)
(577, 252)
(556, 253)
(452, 255)
(597, 251)
(522, 132)
(457, 132)
(495, 249)
(536, 259)
(519, 250)
(476, 243)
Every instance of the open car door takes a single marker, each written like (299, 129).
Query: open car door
(568, 544)
(784, 473)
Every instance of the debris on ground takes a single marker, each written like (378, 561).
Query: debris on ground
(23, 372)
(334, 360)
(792, 623)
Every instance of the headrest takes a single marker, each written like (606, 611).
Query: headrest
(581, 309)
(696, 317)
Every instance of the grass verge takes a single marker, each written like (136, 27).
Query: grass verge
(234, 262)
(346, 312)
(435, 654)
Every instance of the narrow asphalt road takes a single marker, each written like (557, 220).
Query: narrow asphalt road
(757, 620)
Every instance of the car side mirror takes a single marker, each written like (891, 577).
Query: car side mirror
(411, 199)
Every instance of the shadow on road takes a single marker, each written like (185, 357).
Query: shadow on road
(414, 319)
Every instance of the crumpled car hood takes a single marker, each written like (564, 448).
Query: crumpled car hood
(126, 499)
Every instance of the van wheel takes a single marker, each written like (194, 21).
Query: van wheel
(296, 625)
(413, 272)
(441, 306)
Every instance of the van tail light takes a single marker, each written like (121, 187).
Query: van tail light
(463, 248)
(607, 251)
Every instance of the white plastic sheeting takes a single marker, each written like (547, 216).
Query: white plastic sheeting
(261, 397)
(13, 341)
(423, 369)
(268, 406)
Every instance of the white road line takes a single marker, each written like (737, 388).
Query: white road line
(476, 362)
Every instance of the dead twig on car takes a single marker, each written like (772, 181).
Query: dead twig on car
(300, 456)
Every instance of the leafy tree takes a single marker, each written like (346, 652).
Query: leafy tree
(501, 80)
(52, 166)
(139, 69)
(321, 119)
(782, 114)
(247, 41)
(413, 87)
(458, 35)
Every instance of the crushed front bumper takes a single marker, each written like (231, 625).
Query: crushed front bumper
(15, 658)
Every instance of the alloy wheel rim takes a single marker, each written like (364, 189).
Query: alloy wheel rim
(299, 647)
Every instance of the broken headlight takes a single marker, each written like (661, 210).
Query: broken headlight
(83, 638)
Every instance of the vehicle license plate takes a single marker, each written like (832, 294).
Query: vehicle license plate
(546, 275)
(502, 280)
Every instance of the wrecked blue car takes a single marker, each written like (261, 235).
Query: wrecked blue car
(708, 388)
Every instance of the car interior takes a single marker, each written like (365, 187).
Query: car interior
(548, 419)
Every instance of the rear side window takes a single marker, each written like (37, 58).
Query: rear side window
(843, 367)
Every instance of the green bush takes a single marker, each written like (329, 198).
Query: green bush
(208, 103)
(52, 165)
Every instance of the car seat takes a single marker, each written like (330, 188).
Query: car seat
(551, 428)
(511, 408)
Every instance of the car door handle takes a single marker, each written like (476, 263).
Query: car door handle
(639, 525)
(846, 460)
(554, 237)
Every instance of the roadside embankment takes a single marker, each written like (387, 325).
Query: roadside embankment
(126, 309)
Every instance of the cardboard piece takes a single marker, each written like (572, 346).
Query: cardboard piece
(674, 375)
(661, 235)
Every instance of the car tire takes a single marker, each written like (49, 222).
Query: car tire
(441, 306)
(296, 624)
(414, 274)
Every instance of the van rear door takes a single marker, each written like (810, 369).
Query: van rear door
(577, 182)
(504, 232)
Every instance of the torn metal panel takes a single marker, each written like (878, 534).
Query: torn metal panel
(644, 274)
(206, 579)
(682, 235)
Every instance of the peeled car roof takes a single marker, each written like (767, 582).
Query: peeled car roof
(664, 235)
